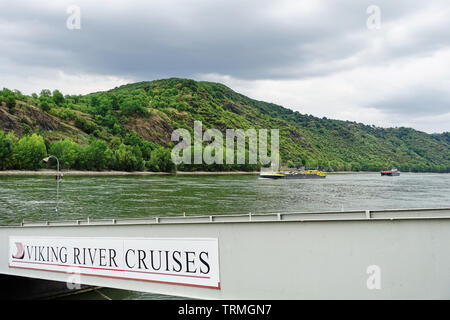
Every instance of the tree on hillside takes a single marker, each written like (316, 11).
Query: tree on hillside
(45, 93)
(44, 105)
(67, 151)
(29, 152)
(9, 97)
(96, 156)
(161, 160)
(134, 105)
(128, 158)
(58, 97)
(10, 102)
(6, 149)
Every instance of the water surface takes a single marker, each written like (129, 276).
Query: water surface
(33, 198)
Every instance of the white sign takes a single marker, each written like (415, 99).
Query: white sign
(183, 261)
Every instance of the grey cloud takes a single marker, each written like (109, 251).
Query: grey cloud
(220, 37)
(417, 102)
(144, 40)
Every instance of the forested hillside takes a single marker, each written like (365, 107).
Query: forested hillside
(129, 128)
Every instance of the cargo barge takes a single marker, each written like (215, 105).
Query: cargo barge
(309, 173)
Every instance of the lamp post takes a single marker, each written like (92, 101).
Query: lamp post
(57, 178)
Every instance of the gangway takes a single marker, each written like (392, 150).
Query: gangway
(365, 254)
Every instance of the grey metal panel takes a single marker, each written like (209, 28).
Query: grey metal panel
(294, 258)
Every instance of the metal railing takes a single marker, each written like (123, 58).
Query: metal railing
(392, 214)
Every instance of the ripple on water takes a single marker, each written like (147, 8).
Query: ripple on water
(33, 198)
(133, 196)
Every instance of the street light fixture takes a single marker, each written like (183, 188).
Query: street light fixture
(57, 178)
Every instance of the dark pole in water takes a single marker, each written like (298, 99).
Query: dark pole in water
(57, 178)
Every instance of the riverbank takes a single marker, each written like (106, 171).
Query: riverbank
(47, 172)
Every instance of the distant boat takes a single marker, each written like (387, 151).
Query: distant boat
(309, 173)
(391, 173)
(273, 175)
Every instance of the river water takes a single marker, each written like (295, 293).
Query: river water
(32, 198)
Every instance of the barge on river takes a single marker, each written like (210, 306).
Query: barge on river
(309, 173)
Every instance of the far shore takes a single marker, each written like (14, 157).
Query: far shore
(49, 172)
(46, 172)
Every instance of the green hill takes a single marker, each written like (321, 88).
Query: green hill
(129, 128)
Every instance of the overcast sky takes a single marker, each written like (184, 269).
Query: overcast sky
(321, 57)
